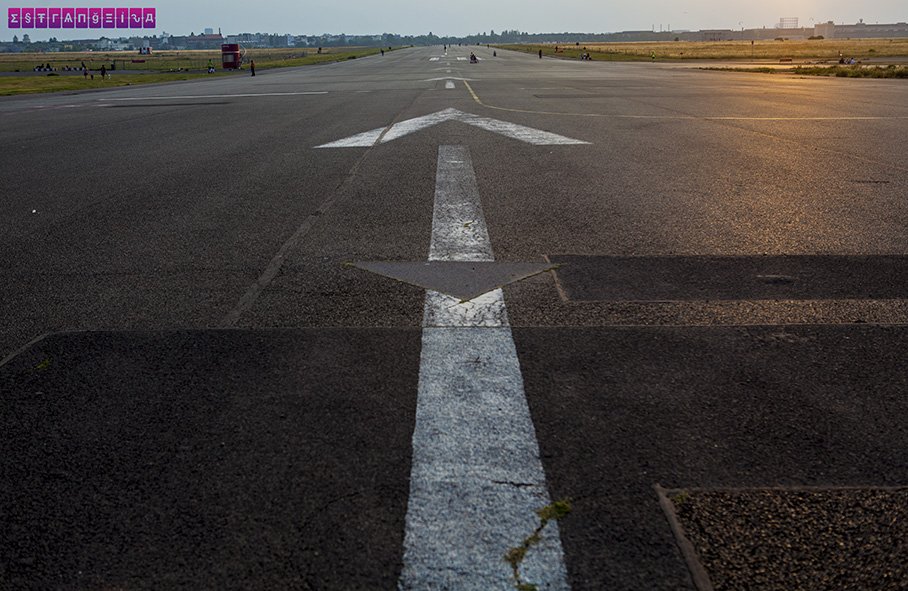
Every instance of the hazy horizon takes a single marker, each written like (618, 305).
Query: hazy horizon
(406, 17)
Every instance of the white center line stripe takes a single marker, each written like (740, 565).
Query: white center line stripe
(476, 479)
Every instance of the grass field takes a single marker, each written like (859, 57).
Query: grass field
(890, 71)
(855, 71)
(821, 49)
(10, 85)
(166, 66)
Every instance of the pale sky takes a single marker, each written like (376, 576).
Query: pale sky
(462, 17)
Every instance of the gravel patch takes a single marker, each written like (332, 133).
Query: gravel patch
(805, 539)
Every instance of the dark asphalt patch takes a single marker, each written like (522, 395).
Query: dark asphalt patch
(193, 104)
(207, 460)
(806, 539)
(569, 96)
(684, 278)
(620, 409)
(464, 280)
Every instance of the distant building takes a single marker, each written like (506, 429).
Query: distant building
(195, 41)
(105, 44)
(825, 30)
(209, 31)
(787, 22)
(249, 39)
(863, 30)
(828, 30)
(717, 35)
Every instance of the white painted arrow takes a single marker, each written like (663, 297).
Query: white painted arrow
(476, 477)
(383, 135)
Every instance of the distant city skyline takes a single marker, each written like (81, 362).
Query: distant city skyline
(467, 17)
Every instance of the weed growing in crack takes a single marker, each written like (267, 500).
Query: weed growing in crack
(680, 498)
(515, 555)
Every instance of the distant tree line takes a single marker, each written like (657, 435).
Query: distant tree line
(326, 40)
(507, 36)
(392, 39)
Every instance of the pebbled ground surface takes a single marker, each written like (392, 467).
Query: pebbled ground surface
(799, 539)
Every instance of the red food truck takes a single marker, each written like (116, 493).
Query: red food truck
(230, 56)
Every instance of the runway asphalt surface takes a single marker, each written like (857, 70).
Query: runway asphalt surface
(225, 397)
